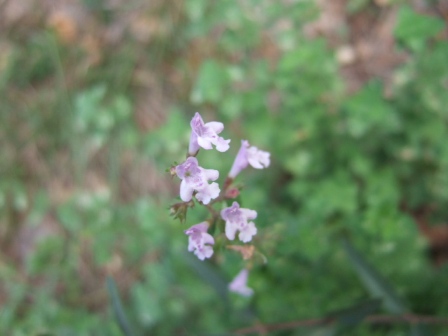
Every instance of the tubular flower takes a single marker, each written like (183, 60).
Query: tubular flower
(239, 284)
(204, 135)
(237, 220)
(249, 155)
(197, 240)
(196, 178)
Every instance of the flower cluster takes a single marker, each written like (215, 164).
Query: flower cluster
(197, 183)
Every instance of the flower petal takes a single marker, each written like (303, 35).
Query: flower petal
(211, 174)
(257, 158)
(193, 147)
(222, 145)
(216, 126)
(248, 232)
(230, 231)
(240, 163)
(191, 244)
(239, 284)
(204, 143)
(248, 213)
(211, 191)
(186, 192)
(201, 227)
(208, 239)
(199, 254)
(208, 251)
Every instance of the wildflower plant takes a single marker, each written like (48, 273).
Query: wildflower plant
(227, 220)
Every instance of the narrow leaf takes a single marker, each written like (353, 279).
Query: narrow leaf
(118, 308)
(355, 314)
(210, 276)
(373, 281)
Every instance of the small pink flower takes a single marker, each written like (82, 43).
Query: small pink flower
(237, 220)
(204, 135)
(197, 240)
(196, 178)
(239, 284)
(249, 155)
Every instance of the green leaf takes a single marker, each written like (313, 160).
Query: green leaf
(373, 281)
(310, 56)
(69, 216)
(367, 111)
(87, 104)
(210, 276)
(118, 307)
(149, 312)
(210, 84)
(413, 29)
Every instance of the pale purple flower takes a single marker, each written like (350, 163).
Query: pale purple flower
(197, 240)
(249, 155)
(205, 135)
(196, 178)
(237, 220)
(239, 284)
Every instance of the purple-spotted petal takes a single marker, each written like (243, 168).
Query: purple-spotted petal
(200, 241)
(248, 232)
(196, 178)
(236, 219)
(211, 191)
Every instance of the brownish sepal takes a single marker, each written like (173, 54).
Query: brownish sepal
(246, 251)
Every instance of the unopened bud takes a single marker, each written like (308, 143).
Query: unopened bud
(232, 193)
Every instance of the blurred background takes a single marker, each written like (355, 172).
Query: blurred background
(348, 96)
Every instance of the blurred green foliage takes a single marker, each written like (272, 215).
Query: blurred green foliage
(331, 219)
